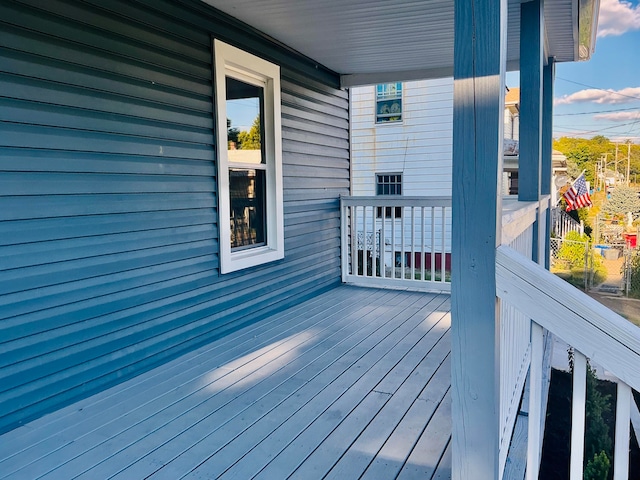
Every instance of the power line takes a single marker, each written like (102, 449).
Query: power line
(597, 88)
(596, 112)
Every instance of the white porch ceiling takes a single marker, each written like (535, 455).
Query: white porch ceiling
(370, 41)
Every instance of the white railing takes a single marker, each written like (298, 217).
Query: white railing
(519, 222)
(594, 331)
(563, 223)
(390, 241)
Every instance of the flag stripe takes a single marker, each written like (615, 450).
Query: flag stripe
(578, 195)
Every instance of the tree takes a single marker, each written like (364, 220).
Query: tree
(623, 199)
(232, 133)
(250, 140)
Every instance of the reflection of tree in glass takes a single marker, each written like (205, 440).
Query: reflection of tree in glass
(232, 133)
(250, 140)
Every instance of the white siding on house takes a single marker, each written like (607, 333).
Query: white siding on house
(419, 147)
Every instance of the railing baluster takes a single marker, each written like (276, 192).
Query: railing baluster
(413, 243)
(354, 240)
(393, 243)
(402, 242)
(423, 253)
(433, 244)
(535, 402)
(383, 247)
(623, 419)
(443, 255)
(578, 406)
(374, 250)
(344, 240)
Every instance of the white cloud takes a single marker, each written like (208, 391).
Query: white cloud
(618, 116)
(593, 95)
(617, 17)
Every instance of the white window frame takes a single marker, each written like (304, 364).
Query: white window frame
(236, 63)
(377, 100)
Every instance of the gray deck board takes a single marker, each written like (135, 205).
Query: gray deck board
(352, 384)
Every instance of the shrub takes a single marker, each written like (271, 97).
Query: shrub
(598, 467)
(572, 250)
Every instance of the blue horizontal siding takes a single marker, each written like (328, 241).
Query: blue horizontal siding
(108, 193)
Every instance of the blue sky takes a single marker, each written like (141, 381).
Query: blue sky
(602, 96)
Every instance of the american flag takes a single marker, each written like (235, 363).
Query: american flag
(578, 195)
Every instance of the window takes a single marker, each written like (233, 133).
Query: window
(389, 102)
(389, 184)
(249, 159)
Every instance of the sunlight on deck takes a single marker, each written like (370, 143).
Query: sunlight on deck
(354, 383)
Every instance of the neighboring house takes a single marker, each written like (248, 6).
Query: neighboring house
(409, 152)
(133, 231)
(512, 114)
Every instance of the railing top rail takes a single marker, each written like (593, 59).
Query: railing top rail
(584, 323)
(395, 200)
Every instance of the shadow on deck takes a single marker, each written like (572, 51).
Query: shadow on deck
(352, 384)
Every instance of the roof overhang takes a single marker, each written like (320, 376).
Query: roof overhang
(376, 41)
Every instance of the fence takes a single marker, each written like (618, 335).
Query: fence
(631, 272)
(574, 261)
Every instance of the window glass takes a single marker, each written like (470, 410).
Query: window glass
(389, 184)
(247, 199)
(389, 102)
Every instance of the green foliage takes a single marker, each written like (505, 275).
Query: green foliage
(623, 199)
(634, 267)
(583, 154)
(598, 467)
(598, 407)
(232, 133)
(250, 140)
(572, 250)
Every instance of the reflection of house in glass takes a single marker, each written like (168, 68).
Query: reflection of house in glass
(247, 200)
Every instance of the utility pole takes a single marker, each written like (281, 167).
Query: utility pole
(628, 160)
(616, 179)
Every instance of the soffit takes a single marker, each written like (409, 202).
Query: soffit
(388, 39)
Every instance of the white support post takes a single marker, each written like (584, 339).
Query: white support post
(578, 411)
(344, 247)
(479, 88)
(623, 420)
(535, 402)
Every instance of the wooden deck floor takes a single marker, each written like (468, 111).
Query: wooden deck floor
(352, 384)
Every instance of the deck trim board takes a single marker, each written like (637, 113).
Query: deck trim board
(109, 442)
(266, 401)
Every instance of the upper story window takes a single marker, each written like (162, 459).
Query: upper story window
(389, 102)
(249, 159)
(389, 184)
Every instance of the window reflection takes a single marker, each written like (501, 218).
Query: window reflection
(247, 165)
(247, 191)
